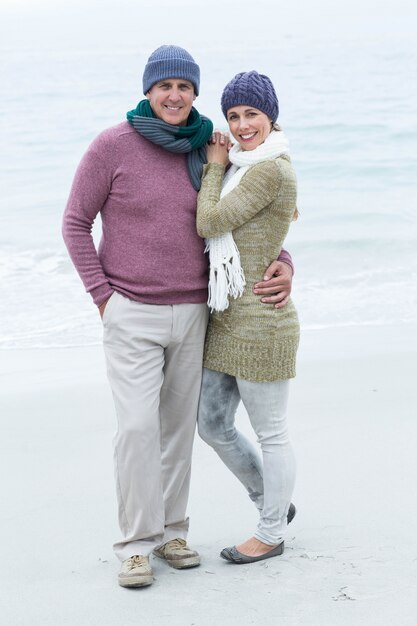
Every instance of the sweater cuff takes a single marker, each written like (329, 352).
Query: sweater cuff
(214, 167)
(285, 257)
(101, 293)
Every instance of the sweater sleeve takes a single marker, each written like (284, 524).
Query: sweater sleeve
(256, 190)
(89, 191)
(285, 257)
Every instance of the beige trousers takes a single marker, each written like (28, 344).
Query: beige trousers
(154, 365)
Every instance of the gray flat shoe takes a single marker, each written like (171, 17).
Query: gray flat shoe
(234, 556)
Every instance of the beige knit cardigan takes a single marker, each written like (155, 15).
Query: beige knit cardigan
(251, 340)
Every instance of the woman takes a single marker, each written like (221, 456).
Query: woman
(250, 349)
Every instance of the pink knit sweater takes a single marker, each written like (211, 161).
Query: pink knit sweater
(149, 250)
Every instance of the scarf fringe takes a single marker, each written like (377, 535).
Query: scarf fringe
(226, 274)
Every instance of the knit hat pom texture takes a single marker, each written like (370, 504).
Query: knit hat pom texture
(251, 89)
(170, 61)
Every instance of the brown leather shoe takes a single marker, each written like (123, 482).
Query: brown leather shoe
(177, 554)
(136, 572)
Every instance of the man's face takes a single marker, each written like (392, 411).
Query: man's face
(171, 100)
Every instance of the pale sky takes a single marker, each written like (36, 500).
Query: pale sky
(227, 21)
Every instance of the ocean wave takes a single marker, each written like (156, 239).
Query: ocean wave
(46, 305)
(352, 133)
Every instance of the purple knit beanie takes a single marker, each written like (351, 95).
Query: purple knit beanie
(170, 62)
(253, 90)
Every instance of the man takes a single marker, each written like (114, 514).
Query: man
(142, 176)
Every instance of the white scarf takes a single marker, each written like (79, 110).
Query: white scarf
(226, 274)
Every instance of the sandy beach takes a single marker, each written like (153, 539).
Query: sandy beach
(351, 552)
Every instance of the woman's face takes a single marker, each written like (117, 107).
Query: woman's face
(250, 127)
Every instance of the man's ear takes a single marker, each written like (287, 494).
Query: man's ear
(147, 95)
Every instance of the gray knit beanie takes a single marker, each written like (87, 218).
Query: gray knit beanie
(170, 62)
(253, 90)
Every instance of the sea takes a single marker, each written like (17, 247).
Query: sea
(345, 75)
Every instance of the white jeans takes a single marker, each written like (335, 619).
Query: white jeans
(270, 481)
(154, 357)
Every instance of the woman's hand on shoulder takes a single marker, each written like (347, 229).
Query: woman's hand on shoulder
(218, 148)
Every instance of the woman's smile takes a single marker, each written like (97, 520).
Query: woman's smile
(249, 126)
